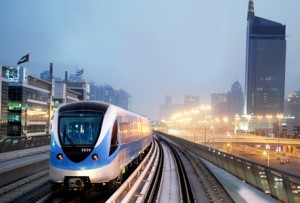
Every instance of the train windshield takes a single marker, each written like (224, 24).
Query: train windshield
(79, 127)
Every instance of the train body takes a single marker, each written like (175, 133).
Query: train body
(93, 142)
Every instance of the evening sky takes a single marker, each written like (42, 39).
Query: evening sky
(148, 48)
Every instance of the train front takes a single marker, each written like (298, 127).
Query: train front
(79, 151)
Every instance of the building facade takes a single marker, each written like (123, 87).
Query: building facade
(108, 94)
(265, 65)
(228, 104)
(191, 101)
(29, 103)
(220, 105)
(4, 103)
(235, 99)
(63, 95)
(166, 109)
(293, 106)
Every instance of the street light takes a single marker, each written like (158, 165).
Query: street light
(258, 128)
(268, 116)
(195, 112)
(205, 108)
(225, 119)
(279, 116)
(268, 156)
(237, 119)
(248, 119)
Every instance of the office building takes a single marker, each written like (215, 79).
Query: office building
(63, 95)
(235, 99)
(167, 109)
(191, 101)
(4, 103)
(265, 65)
(219, 105)
(29, 103)
(108, 94)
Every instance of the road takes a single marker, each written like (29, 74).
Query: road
(257, 155)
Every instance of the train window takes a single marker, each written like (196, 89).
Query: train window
(79, 127)
(114, 139)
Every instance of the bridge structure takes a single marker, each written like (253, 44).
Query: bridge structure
(240, 155)
(281, 145)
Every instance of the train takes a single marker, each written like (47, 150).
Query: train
(93, 143)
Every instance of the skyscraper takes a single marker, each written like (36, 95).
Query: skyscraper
(265, 65)
(235, 99)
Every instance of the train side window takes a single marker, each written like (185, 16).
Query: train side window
(114, 139)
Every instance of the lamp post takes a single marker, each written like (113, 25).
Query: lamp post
(268, 117)
(268, 157)
(237, 118)
(205, 108)
(279, 116)
(258, 128)
(225, 119)
(194, 123)
(248, 128)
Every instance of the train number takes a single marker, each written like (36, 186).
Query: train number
(86, 150)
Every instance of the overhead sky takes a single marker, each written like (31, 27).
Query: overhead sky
(148, 48)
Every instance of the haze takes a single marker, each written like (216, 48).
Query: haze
(148, 48)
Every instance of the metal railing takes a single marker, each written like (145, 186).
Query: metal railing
(281, 185)
(17, 143)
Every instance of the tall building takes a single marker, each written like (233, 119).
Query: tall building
(166, 109)
(123, 99)
(228, 104)
(265, 65)
(219, 105)
(4, 102)
(108, 94)
(235, 99)
(293, 105)
(191, 101)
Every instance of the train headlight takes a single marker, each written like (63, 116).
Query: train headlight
(59, 156)
(95, 157)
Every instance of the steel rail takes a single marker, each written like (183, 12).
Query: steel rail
(186, 191)
(155, 183)
(129, 181)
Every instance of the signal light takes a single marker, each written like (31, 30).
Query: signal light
(95, 157)
(59, 156)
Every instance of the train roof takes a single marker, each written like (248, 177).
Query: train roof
(84, 105)
(91, 105)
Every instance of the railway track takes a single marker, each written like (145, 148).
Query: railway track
(166, 169)
(28, 189)
(196, 182)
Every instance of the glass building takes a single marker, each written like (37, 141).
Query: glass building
(29, 103)
(4, 103)
(265, 65)
(235, 99)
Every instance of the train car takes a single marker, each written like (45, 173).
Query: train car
(92, 143)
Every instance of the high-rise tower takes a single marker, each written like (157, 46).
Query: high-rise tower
(265, 65)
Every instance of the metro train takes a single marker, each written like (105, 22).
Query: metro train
(93, 143)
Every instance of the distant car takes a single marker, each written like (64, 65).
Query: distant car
(278, 158)
(282, 161)
(292, 156)
(288, 161)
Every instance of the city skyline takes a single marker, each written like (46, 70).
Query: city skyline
(150, 49)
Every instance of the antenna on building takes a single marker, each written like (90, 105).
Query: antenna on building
(250, 10)
(66, 76)
(51, 72)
